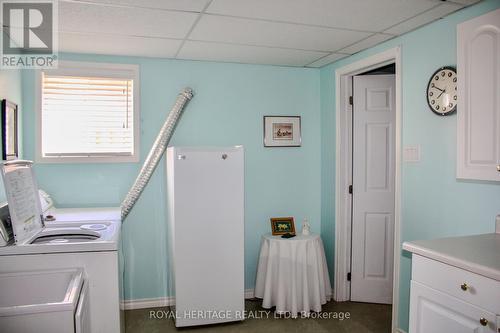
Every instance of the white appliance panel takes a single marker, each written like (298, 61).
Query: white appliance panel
(207, 232)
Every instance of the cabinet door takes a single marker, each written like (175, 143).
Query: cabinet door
(432, 311)
(478, 110)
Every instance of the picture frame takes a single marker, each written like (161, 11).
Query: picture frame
(282, 131)
(10, 139)
(282, 225)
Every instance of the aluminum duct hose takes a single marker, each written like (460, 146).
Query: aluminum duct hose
(156, 152)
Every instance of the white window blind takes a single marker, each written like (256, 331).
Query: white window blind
(87, 116)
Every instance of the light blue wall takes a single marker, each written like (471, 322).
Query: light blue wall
(434, 203)
(227, 109)
(10, 89)
(327, 90)
(230, 101)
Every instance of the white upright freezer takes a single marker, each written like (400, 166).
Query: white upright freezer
(205, 209)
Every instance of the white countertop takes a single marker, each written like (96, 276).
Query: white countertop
(479, 254)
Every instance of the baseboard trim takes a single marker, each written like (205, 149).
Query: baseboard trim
(249, 293)
(146, 303)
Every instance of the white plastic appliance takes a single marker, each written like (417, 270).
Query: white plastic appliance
(205, 207)
(78, 238)
(53, 301)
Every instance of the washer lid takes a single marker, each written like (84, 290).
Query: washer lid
(22, 195)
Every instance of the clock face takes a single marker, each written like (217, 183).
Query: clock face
(442, 91)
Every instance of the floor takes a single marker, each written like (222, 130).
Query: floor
(364, 318)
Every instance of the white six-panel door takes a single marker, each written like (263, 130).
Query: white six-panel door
(373, 188)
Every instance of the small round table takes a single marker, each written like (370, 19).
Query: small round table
(292, 274)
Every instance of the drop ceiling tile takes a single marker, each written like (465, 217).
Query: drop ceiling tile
(118, 45)
(366, 15)
(187, 5)
(85, 17)
(366, 43)
(327, 60)
(264, 33)
(424, 18)
(195, 50)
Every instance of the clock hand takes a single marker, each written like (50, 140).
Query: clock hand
(439, 89)
(442, 92)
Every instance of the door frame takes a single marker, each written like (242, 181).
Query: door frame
(343, 162)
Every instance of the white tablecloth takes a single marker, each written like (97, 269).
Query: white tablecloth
(292, 274)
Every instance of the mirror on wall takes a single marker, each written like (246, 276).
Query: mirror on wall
(10, 150)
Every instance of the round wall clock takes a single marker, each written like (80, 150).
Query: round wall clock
(442, 91)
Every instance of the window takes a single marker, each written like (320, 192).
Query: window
(88, 113)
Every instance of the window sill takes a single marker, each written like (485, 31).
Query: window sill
(87, 160)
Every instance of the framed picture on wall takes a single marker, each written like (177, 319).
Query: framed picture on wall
(10, 149)
(281, 131)
(282, 225)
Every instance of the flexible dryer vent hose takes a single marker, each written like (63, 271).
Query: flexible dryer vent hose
(156, 152)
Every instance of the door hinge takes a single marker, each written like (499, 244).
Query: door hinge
(349, 276)
(350, 189)
(351, 101)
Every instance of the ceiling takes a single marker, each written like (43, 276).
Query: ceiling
(310, 33)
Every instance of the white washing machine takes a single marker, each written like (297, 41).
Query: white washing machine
(77, 238)
(58, 216)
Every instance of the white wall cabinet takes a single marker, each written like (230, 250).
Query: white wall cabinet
(445, 298)
(478, 68)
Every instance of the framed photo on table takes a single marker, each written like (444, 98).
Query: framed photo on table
(282, 131)
(282, 225)
(10, 141)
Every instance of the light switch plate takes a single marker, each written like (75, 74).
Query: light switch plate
(411, 154)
